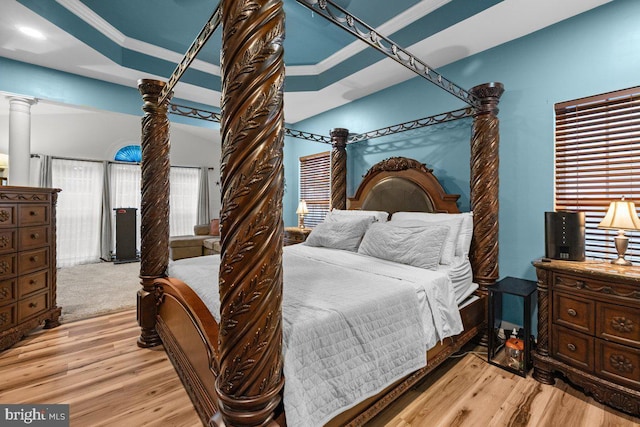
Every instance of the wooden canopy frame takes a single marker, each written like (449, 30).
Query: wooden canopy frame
(247, 360)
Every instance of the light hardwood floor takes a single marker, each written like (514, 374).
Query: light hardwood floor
(95, 366)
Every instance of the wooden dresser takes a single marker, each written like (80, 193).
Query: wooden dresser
(589, 329)
(293, 235)
(27, 261)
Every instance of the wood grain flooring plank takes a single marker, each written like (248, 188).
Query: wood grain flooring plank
(95, 366)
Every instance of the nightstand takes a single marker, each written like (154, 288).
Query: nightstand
(589, 329)
(294, 235)
(511, 354)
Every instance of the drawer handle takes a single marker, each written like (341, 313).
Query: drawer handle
(579, 284)
(571, 347)
(33, 213)
(4, 292)
(35, 236)
(572, 312)
(33, 304)
(34, 258)
(33, 282)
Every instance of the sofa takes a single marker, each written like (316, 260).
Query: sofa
(204, 241)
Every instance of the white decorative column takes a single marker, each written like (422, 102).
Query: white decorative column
(19, 139)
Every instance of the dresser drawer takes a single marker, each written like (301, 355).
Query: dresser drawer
(618, 323)
(573, 348)
(33, 237)
(618, 363)
(8, 266)
(31, 283)
(31, 261)
(8, 241)
(8, 217)
(575, 313)
(8, 291)
(31, 306)
(586, 287)
(7, 316)
(33, 215)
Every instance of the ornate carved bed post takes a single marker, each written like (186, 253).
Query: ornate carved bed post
(485, 142)
(154, 229)
(252, 127)
(339, 168)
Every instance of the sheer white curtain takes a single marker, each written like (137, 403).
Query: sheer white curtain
(79, 210)
(125, 193)
(183, 200)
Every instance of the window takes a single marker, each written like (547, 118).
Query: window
(597, 162)
(130, 153)
(183, 200)
(315, 186)
(125, 193)
(79, 210)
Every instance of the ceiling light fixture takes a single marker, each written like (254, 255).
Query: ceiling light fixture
(32, 32)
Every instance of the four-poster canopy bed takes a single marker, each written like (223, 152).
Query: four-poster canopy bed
(232, 366)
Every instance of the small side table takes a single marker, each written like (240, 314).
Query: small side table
(294, 235)
(497, 353)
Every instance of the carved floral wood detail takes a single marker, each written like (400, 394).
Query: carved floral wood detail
(252, 183)
(622, 324)
(621, 363)
(397, 164)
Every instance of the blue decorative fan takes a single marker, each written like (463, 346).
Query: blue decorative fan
(130, 153)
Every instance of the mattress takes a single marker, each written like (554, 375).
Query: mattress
(352, 324)
(461, 276)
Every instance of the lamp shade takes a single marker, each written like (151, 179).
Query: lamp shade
(302, 208)
(621, 215)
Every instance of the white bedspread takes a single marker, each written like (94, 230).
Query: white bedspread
(352, 324)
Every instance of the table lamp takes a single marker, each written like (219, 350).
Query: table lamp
(621, 216)
(301, 211)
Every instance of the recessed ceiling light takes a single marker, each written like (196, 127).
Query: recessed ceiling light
(32, 32)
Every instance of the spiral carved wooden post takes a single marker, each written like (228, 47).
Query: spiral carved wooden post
(252, 126)
(541, 370)
(484, 184)
(154, 229)
(339, 168)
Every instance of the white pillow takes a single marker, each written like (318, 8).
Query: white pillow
(420, 247)
(466, 234)
(340, 214)
(463, 242)
(344, 235)
(454, 224)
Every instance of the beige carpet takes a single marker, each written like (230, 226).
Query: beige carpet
(92, 289)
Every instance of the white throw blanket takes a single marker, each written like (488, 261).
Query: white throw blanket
(352, 324)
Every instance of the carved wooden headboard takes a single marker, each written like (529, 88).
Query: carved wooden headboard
(402, 184)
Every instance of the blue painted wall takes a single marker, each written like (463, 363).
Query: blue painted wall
(44, 83)
(595, 52)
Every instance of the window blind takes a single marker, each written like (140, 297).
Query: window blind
(315, 186)
(597, 161)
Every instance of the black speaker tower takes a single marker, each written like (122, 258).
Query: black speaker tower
(126, 235)
(564, 235)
